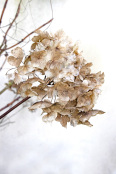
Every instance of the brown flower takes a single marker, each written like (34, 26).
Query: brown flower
(60, 78)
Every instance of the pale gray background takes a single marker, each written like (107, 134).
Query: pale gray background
(30, 146)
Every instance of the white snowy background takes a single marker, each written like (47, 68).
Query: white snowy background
(29, 146)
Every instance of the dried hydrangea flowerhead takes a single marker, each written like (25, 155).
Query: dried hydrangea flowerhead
(60, 78)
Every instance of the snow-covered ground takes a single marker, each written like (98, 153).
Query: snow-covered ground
(30, 146)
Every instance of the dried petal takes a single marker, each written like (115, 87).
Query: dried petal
(30, 93)
(17, 57)
(65, 112)
(22, 70)
(36, 38)
(13, 61)
(17, 78)
(24, 86)
(33, 46)
(34, 79)
(41, 104)
(56, 107)
(18, 52)
(86, 116)
(63, 119)
(49, 117)
(87, 123)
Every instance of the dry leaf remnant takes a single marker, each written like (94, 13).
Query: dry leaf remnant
(60, 78)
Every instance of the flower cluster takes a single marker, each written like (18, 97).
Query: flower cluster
(61, 79)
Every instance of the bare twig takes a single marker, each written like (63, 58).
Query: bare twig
(4, 62)
(52, 14)
(16, 15)
(5, 4)
(28, 35)
(9, 104)
(14, 107)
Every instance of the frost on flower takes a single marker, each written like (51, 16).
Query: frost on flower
(59, 77)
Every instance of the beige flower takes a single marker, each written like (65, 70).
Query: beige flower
(55, 70)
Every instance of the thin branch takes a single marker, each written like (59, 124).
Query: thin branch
(28, 35)
(9, 35)
(14, 107)
(5, 4)
(20, 13)
(3, 62)
(16, 15)
(9, 104)
(6, 120)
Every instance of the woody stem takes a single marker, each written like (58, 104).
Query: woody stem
(14, 107)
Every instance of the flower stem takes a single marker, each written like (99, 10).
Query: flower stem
(9, 104)
(14, 107)
(8, 86)
(3, 90)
